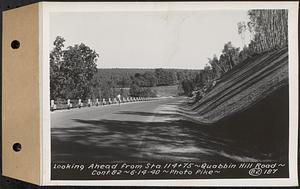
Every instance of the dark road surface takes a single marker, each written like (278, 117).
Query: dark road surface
(139, 131)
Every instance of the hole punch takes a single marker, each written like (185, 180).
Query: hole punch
(17, 147)
(15, 44)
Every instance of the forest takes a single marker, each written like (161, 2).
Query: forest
(74, 73)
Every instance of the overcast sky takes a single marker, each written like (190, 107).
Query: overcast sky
(175, 39)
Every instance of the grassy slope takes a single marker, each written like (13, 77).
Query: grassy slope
(243, 87)
(250, 107)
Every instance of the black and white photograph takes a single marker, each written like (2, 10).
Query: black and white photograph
(169, 93)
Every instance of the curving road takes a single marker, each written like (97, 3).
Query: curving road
(139, 131)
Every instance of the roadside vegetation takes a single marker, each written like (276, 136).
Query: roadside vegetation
(74, 73)
(269, 32)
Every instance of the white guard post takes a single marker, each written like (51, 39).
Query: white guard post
(79, 103)
(52, 105)
(115, 101)
(69, 104)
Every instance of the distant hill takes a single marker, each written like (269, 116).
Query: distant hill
(129, 71)
(120, 73)
(106, 81)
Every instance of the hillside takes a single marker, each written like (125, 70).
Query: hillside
(249, 106)
(244, 86)
(130, 72)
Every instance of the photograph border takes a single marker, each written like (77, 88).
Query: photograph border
(46, 8)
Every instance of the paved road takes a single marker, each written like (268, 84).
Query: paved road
(141, 131)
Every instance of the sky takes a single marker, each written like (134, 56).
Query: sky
(162, 39)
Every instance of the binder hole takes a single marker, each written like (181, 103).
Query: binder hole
(15, 44)
(17, 147)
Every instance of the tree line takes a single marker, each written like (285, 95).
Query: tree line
(269, 31)
(74, 75)
(136, 82)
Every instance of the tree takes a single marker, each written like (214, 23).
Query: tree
(242, 28)
(269, 29)
(79, 65)
(217, 68)
(199, 79)
(231, 55)
(72, 70)
(137, 91)
(150, 78)
(56, 78)
(208, 75)
(245, 53)
(188, 87)
(139, 80)
(165, 77)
